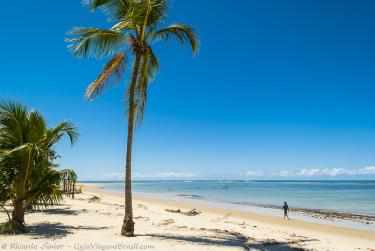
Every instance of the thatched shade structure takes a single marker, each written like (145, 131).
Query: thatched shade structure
(69, 178)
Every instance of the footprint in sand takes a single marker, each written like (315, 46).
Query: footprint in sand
(166, 222)
(142, 206)
(142, 218)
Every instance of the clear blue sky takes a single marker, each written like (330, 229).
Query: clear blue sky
(280, 89)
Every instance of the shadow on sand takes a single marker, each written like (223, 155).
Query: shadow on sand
(55, 230)
(59, 211)
(236, 240)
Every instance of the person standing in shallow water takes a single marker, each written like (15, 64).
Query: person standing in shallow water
(286, 210)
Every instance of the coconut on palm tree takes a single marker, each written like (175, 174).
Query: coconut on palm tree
(137, 25)
(28, 172)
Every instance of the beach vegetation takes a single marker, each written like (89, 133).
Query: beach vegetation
(29, 175)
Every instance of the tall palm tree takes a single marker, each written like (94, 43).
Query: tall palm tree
(137, 26)
(28, 174)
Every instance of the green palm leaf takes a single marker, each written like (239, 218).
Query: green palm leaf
(111, 74)
(183, 33)
(93, 42)
(55, 134)
(148, 69)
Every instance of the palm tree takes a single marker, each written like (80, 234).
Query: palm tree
(136, 27)
(28, 175)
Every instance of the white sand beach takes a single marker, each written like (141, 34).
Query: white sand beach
(78, 224)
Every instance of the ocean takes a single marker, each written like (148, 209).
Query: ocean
(356, 197)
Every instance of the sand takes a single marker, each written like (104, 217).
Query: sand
(78, 224)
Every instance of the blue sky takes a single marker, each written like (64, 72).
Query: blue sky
(280, 89)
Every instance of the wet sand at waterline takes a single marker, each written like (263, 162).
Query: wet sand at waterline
(84, 224)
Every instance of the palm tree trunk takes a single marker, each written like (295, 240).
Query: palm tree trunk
(19, 212)
(128, 225)
(70, 188)
(74, 186)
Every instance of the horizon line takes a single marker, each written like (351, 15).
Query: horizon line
(122, 181)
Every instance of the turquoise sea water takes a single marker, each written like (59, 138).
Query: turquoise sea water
(344, 196)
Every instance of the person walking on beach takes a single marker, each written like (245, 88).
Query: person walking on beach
(286, 210)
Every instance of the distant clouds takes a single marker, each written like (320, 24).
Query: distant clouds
(256, 174)
(336, 171)
(167, 175)
(112, 176)
(156, 175)
(315, 172)
(282, 173)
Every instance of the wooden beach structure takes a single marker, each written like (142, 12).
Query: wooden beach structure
(69, 179)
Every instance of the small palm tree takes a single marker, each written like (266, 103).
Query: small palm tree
(28, 174)
(137, 25)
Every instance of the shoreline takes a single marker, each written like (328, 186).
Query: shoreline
(319, 213)
(261, 218)
(322, 216)
(93, 220)
(347, 212)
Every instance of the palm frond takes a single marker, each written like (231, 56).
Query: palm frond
(36, 127)
(23, 147)
(112, 72)
(45, 191)
(123, 25)
(153, 10)
(114, 9)
(183, 33)
(68, 174)
(94, 4)
(56, 133)
(13, 123)
(148, 68)
(135, 11)
(5, 183)
(93, 42)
